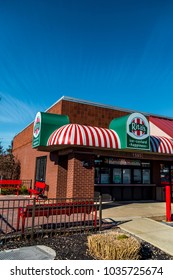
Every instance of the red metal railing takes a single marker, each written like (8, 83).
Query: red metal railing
(29, 217)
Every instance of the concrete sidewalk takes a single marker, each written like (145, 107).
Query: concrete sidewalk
(155, 233)
(139, 220)
(39, 252)
(130, 210)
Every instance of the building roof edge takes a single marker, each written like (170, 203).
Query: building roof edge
(83, 101)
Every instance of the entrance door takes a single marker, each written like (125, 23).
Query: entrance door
(40, 174)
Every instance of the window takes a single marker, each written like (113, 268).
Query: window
(105, 176)
(117, 176)
(146, 176)
(40, 174)
(97, 175)
(164, 174)
(137, 176)
(126, 176)
(109, 170)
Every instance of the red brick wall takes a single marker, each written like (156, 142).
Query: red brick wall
(80, 180)
(90, 115)
(70, 175)
(56, 109)
(27, 157)
(24, 138)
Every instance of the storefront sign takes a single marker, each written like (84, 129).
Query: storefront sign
(36, 130)
(44, 125)
(133, 131)
(137, 132)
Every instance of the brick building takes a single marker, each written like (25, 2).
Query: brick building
(81, 148)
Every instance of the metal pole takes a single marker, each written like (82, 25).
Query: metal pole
(168, 203)
(33, 218)
(100, 212)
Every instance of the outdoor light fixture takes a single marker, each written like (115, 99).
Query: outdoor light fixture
(85, 163)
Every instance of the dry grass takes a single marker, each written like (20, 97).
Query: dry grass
(114, 246)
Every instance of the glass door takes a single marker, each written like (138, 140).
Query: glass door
(117, 176)
(137, 178)
(126, 176)
(146, 178)
(40, 174)
(164, 174)
(104, 175)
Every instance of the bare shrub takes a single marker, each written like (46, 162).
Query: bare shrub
(114, 246)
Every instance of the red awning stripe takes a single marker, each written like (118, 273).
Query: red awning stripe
(165, 125)
(161, 145)
(75, 134)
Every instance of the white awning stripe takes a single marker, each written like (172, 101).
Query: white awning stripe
(82, 135)
(161, 145)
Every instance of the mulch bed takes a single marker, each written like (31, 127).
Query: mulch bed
(74, 247)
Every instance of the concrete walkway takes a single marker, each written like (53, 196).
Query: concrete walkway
(39, 252)
(138, 219)
(156, 233)
(129, 210)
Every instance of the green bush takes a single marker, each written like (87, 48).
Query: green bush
(23, 190)
(5, 191)
(122, 236)
(114, 246)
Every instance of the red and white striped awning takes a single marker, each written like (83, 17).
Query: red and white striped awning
(161, 127)
(82, 135)
(162, 145)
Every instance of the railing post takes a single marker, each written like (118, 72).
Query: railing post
(33, 219)
(100, 212)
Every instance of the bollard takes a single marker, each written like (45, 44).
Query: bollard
(168, 203)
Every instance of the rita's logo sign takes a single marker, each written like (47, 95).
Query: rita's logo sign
(37, 125)
(138, 132)
(137, 127)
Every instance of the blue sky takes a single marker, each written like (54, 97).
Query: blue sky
(116, 52)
